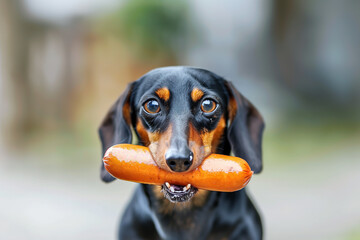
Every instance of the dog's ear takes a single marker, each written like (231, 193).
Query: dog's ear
(115, 128)
(245, 129)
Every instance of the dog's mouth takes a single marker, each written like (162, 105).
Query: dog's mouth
(178, 193)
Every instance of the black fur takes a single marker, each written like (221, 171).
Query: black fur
(229, 215)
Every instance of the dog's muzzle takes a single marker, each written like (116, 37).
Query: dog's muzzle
(178, 193)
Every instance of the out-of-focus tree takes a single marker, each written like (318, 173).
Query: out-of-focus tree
(40, 68)
(14, 67)
(155, 30)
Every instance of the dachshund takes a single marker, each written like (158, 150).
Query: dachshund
(182, 115)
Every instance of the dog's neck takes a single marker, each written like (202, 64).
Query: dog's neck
(164, 206)
(180, 218)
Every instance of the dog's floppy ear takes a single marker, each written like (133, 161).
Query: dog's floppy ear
(245, 130)
(115, 128)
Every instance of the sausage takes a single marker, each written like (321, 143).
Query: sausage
(216, 173)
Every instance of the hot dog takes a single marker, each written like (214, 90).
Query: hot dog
(216, 173)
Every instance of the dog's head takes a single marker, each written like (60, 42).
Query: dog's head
(184, 114)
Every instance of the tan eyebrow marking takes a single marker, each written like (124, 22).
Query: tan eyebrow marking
(196, 94)
(163, 93)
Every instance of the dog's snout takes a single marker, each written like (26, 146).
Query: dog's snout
(179, 161)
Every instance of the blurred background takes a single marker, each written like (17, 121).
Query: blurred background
(63, 64)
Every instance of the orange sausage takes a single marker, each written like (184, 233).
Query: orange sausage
(216, 173)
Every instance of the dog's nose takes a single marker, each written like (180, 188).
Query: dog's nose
(179, 161)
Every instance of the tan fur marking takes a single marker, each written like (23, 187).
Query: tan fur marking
(232, 109)
(126, 113)
(207, 137)
(157, 191)
(159, 143)
(204, 143)
(196, 94)
(218, 132)
(163, 93)
(146, 136)
(200, 197)
(154, 137)
(211, 139)
(143, 134)
(196, 145)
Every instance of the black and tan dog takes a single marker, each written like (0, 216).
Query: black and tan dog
(184, 114)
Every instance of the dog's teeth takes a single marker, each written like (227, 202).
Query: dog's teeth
(172, 189)
(187, 187)
(167, 184)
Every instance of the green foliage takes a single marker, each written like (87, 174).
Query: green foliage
(151, 26)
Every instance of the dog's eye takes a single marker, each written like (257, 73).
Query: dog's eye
(152, 106)
(208, 106)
